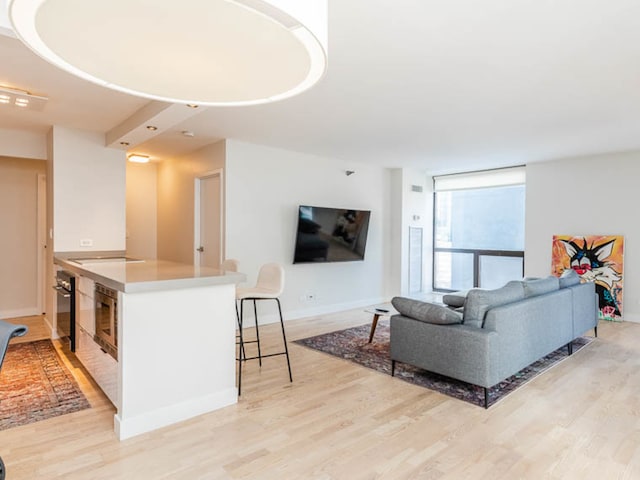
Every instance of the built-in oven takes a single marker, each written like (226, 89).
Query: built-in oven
(106, 316)
(66, 307)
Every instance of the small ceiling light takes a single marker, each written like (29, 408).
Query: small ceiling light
(21, 98)
(152, 128)
(188, 133)
(124, 144)
(135, 158)
(191, 105)
(256, 51)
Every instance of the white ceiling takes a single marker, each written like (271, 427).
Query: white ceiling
(444, 86)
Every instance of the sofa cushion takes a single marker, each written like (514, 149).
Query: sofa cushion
(569, 278)
(480, 301)
(533, 288)
(455, 299)
(426, 312)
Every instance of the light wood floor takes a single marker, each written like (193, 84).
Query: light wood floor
(580, 420)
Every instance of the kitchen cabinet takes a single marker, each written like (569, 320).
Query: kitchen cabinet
(100, 365)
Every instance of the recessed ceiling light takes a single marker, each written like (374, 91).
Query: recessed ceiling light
(136, 158)
(152, 128)
(257, 51)
(191, 105)
(124, 144)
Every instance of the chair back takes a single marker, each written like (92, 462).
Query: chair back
(7, 332)
(271, 277)
(230, 265)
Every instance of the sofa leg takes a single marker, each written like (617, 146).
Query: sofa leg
(393, 367)
(570, 348)
(486, 397)
(595, 331)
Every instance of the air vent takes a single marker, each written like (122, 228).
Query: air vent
(416, 188)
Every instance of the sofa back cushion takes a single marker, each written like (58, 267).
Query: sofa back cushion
(533, 288)
(569, 278)
(426, 312)
(479, 301)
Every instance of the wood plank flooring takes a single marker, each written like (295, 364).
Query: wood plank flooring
(580, 420)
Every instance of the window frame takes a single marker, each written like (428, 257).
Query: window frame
(477, 253)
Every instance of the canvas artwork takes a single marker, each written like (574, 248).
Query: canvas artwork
(596, 258)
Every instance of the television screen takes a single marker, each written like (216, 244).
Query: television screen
(330, 234)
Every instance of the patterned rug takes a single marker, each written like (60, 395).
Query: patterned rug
(36, 385)
(352, 344)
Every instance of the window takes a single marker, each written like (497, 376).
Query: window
(478, 229)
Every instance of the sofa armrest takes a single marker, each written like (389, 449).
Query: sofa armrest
(459, 351)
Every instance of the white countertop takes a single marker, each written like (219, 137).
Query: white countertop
(150, 275)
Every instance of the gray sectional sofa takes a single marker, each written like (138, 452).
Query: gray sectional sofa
(497, 333)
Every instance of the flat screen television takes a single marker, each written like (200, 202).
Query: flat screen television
(330, 234)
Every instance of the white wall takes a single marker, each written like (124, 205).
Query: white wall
(595, 195)
(23, 144)
(265, 186)
(142, 210)
(89, 182)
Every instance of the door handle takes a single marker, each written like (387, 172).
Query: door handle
(200, 249)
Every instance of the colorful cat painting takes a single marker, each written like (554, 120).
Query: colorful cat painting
(596, 259)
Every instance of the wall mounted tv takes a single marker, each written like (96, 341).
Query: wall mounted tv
(330, 234)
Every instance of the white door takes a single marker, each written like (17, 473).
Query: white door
(208, 231)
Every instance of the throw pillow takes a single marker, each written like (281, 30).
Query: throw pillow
(455, 299)
(426, 312)
(480, 301)
(541, 286)
(568, 278)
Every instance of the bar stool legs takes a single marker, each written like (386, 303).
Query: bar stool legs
(242, 357)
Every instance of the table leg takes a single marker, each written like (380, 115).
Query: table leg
(374, 324)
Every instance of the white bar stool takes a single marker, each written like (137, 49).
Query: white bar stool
(269, 286)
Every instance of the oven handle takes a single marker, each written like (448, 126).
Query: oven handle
(60, 290)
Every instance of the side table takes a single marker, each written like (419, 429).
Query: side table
(377, 314)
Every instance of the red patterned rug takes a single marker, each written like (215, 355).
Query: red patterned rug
(36, 385)
(352, 344)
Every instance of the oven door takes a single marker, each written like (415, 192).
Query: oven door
(66, 313)
(106, 323)
(63, 315)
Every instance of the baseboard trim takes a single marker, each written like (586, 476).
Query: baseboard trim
(20, 312)
(171, 414)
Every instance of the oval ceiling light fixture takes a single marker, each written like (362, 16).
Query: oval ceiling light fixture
(137, 158)
(211, 52)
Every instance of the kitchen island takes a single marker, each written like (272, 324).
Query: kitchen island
(175, 339)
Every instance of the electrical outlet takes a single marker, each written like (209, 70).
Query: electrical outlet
(86, 242)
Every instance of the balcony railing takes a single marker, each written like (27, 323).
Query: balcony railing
(463, 268)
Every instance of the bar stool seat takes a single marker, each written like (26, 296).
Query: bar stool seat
(269, 286)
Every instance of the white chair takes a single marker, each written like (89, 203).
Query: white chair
(229, 265)
(269, 286)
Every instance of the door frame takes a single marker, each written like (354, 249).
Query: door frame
(196, 213)
(41, 234)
